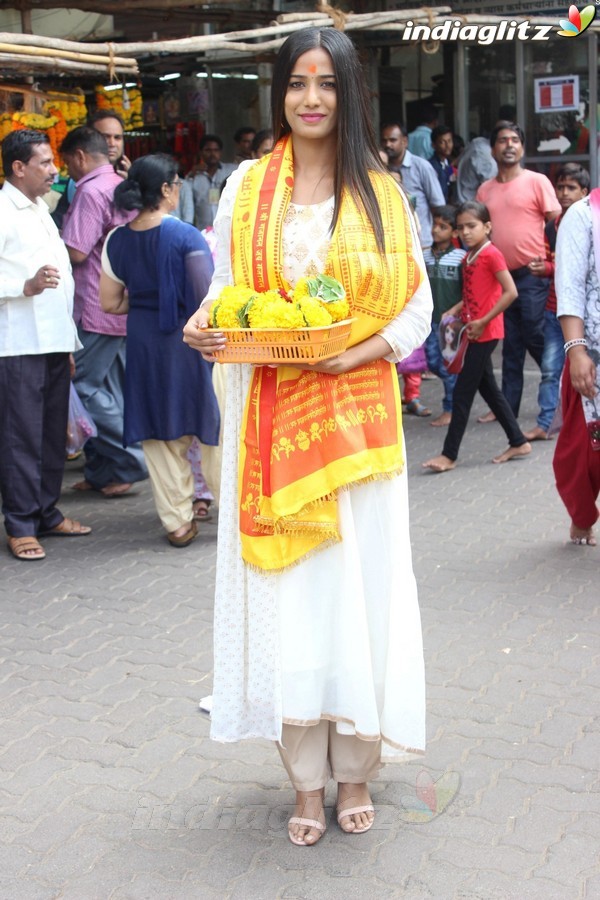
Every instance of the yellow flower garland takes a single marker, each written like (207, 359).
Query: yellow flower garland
(314, 302)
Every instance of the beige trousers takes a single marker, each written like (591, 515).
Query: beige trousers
(171, 480)
(313, 754)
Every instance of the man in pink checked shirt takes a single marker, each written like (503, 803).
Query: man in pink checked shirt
(100, 365)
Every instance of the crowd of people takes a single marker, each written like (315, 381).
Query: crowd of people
(491, 262)
(318, 641)
(157, 416)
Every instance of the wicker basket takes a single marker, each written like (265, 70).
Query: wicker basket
(280, 345)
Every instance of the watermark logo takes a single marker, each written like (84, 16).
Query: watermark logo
(457, 30)
(578, 22)
(431, 797)
(428, 799)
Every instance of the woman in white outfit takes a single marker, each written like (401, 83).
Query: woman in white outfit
(317, 629)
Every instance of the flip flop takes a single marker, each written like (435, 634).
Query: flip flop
(68, 528)
(19, 547)
(416, 408)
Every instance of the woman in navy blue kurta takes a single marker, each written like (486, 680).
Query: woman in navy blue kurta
(166, 266)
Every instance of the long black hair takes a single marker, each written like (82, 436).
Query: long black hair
(357, 151)
(142, 189)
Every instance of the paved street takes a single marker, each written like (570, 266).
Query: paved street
(111, 790)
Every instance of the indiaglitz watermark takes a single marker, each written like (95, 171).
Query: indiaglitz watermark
(505, 30)
(420, 805)
(457, 30)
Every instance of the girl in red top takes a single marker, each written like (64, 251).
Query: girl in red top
(488, 289)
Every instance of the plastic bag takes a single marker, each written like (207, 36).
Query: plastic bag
(80, 427)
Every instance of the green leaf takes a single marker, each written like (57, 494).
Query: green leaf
(242, 314)
(330, 289)
(313, 286)
(213, 316)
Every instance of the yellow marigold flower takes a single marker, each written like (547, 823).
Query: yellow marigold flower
(338, 309)
(225, 316)
(302, 289)
(227, 310)
(275, 313)
(236, 292)
(314, 313)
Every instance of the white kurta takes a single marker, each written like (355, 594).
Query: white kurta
(337, 636)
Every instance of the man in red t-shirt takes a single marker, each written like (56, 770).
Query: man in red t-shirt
(520, 203)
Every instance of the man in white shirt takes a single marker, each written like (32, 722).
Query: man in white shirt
(37, 334)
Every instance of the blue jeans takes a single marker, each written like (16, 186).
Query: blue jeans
(523, 331)
(435, 362)
(553, 360)
(99, 376)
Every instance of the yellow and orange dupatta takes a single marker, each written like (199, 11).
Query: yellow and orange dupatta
(306, 434)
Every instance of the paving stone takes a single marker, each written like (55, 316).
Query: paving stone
(327, 886)
(569, 857)
(110, 788)
(15, 887)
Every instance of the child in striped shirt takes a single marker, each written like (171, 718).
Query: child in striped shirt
(444, 268)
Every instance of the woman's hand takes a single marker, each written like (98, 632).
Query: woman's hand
(475, 329)
(335, 365)
(197, 335)
(367, 351)
(583, 372)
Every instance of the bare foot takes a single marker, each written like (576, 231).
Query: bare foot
(485, 420)
(83, 486)
(537, 434)
(439, 464)
(513, 453)
(442, 420)
(351, 796)
(115, 489)
(582, 536)
(307, 825)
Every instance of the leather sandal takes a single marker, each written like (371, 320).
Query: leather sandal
(201, 510)
(68, 528)
(22, 547)
(309, 823)
(353, 811)
(184, 539)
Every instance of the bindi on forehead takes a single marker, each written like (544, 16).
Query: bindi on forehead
(312, 69)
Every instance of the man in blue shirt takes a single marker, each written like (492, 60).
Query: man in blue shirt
(419, 140)
(418, 176)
